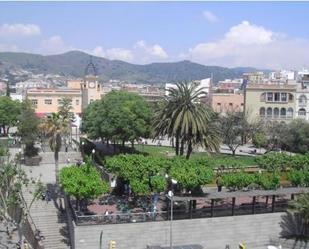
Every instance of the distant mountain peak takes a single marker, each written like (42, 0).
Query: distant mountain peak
(73, 64)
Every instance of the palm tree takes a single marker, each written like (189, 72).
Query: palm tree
(185, 117)
(300, 207)
(54, 127)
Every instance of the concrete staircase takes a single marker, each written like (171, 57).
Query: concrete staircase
(51, 222)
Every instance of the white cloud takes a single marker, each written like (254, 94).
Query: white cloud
(19, 29)
(113, 53)
(120, 54)
(210, 17)
(54, 45)
(9, 48)
(247, 44)
(155, 51)
(140, 53)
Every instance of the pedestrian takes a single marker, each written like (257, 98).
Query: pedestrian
(48, 196)
(219, 182)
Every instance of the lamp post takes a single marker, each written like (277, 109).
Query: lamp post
(170, 196)
(93, 152)
(19, 157)
(83, 143)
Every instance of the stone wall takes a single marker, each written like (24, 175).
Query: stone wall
(255, 231)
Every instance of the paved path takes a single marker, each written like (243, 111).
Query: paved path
(47, 218)
(51, 222)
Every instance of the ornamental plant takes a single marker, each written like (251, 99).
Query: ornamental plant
(83, 182)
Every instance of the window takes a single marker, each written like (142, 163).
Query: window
(242, 104)
(289, 113)
(230, 104)
(34, 102)
(58, 100)
(218, 104)
(91, 100)
(283, 113)
(302, 113)
(48, 101)
(262, 112)
(277, 97)
(77, 102)
(283, 97)
(269, 96)
(269, 112)
(302, 100)
(291, 97)
(276, 112)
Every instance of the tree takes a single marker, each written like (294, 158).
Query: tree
(190, 174)
(9, 112)
(56, 127)
(259, 140)
(232, 130)
(186, 118)
(28, 128)
(296, 138)
(83, 182)
(119, 116)
(275, 133)
(144, 174)
(300, 207)
(14, 209)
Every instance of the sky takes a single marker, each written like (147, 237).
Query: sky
(272, 35)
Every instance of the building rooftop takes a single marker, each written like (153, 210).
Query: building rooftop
(272, 86)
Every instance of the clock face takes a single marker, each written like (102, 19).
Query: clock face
(91, 85)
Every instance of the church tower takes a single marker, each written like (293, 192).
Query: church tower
(90, 87)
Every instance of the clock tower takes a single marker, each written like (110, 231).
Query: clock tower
(90, 87)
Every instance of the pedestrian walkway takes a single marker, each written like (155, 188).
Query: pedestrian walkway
(49, 220)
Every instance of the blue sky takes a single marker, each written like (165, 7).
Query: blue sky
(261, 34)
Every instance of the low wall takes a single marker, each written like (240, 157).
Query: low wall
(212, 233)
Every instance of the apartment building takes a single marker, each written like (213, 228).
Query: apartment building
(271, 102)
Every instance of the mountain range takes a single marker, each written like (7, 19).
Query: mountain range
(73, 64)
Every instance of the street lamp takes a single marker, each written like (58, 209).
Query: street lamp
(170, 195)
(83, 143)
(93, 152)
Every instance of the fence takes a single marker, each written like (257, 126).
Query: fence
(84, 218)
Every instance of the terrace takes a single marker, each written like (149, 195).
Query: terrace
(124, 209)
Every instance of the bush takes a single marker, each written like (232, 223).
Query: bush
(243, 180)
(267, 181)
(238, 180)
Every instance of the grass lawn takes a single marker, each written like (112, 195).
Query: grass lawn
(215, 159)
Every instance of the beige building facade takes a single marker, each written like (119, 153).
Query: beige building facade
(82, 93)
(270, 102)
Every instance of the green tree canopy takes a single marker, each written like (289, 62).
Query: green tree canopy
(120, 116)
(9, 113)
(147, 174)
(190, 174)
(28, 128)
(83, 182)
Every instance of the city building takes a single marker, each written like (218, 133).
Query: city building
(82, 92)
(228, 86)
(227, 102)
(152, 94)
(270, 101)
(302, 98)
(204, 84)
(254, 78)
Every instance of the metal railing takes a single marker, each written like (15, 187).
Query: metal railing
(179, 213)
